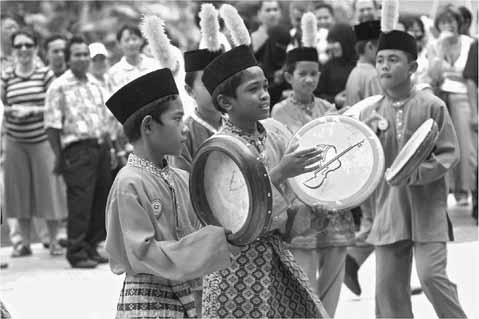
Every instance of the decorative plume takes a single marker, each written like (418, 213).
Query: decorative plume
(210, 27)
(235, 25)
(389, 15)
(309, 26)
(153, 30)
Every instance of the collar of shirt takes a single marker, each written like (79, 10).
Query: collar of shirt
(123, 63)
(146, 165)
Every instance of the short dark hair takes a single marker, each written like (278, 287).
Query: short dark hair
(76, 39)
(375, 4)
(130, 27)
(409, 21)
(190, 78)
(360, 46)
(446, 10)
(324, 5)
(228, 88)
(26, 32)
(132, 126)
(52, 38)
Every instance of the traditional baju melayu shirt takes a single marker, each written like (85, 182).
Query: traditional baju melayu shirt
(313, 227)
(362, 82)
(197, 131)
(416, 211)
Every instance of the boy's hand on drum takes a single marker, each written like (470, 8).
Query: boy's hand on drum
(295, 163)
(234, 250)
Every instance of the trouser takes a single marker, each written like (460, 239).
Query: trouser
(325, 270)
(87, 174)
(393, 274)
(39, 225)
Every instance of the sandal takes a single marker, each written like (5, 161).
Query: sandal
(56, 250)
(21, 251)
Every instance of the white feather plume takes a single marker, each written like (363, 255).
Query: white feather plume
(309, 26)
(209, 27)
(153, 30)
(235, 25)
(389, 15)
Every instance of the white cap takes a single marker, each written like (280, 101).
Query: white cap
(97, 48)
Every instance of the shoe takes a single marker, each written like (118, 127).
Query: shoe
(63, 242)
(351, 276)
(416, 291)
(56, 250)
(98, 258)
(46, 245)
(21, 251)
(84, 264)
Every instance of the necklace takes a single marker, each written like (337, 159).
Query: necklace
(257, 140)
(308, 107)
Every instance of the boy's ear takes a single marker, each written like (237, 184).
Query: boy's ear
(225, 102)
(412, 68)
(288, 77)
(146, 126)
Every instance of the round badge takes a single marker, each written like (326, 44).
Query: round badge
(383, 124)
(156, 205)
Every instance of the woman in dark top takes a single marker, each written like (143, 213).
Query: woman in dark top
(332, 81)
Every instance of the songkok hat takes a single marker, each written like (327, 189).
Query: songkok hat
(197, 60)
(142, 91)
(226, 65)
(308, 52)
(398, 40)
(302, 54)
(369, 30)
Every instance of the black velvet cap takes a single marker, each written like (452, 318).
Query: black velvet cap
(302, 54)
(197, 60)
(140, 92)
(226, 65)
(398, 40)
(369, 30)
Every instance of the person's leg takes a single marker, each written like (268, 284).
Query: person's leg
(393, 275)
(55, 248)
(25, 229)
(41, 228)
(331, 275)
(80, 177)
(431, 263)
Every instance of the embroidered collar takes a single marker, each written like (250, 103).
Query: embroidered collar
(308, 108)
(148, 166)
(398, 104)
(257, 140)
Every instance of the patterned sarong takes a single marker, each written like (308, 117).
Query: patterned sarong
(264, 280)
(146, 296)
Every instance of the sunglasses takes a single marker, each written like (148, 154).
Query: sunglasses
(21, 45)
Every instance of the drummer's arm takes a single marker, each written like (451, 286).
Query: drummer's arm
(193, 256)
(445, 153)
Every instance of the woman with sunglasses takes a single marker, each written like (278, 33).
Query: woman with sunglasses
(31, 188)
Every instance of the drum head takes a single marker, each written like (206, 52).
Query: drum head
(230, 187)
(413, 153)
(352, 164)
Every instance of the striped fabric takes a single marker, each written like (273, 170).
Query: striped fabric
(26, 91)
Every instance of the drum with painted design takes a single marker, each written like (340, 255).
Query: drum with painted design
(351, 167)
(230, 187)
(413, 153)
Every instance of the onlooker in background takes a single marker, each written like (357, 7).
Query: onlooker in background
(332, 81)
(8, 26)
(466, 20)
(365, 10)
(447, 59)
(325, 15)
(470, 74)
(33, 189)
(55, 53)
(296, 11)
(133, 63)
(269, 15)
(76, 119)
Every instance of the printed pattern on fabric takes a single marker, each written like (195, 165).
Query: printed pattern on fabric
(145, 296)
(264, 280)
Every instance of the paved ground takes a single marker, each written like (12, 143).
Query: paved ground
(46, 287)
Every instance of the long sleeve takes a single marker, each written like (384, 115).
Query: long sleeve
(445, 153)
(135, 241)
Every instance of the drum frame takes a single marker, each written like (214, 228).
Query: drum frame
(257, 180)
(416, 158)
(369, 186)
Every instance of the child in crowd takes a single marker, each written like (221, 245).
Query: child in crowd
(153, 234)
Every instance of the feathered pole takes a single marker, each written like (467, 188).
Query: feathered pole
(389, 15)
(152, 28)
(309, 26)
(235, 24)
(209, 27)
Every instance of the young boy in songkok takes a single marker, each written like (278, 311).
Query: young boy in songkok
(263, 280)
(152, 231)
(318, 238)
(411, 218)
(206, 119)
